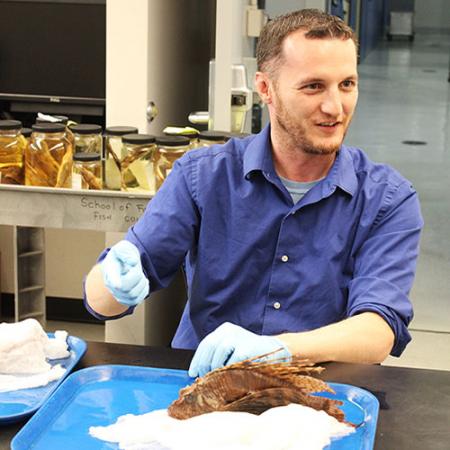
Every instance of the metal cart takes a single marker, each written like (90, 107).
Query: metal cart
(401, 18)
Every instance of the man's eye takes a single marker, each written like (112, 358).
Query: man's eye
(348, 83)
(313, 86)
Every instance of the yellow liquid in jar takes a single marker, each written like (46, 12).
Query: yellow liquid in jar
(137, 169)
(48, 162)
(164, 164)
(12, 149)
(89, 175)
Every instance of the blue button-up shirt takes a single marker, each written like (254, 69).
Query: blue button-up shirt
(255, 259)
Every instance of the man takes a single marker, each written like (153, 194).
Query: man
(291, 240)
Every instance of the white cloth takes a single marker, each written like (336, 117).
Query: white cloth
(292, 427)
(9, 383)
(24, 353)
(22, 347)
(57, 348)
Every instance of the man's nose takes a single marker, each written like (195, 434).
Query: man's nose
(332, 103)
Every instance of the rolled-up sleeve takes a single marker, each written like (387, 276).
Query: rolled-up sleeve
(385, 264)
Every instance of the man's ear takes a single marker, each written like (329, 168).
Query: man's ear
(263, 87)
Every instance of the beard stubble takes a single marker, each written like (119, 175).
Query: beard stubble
(296, 133)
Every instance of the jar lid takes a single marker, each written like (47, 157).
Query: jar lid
(26, 132)
(212, 135)
(138, 139)
(86, 157)
(61, 119)
(172, 141)
(120, 131)
(47, 127)
(10, 125)
(85, 128)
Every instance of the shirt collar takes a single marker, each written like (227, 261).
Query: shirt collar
(258, 157)
(342, 173)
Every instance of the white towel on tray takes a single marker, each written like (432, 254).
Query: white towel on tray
(25, 350)
(291, 427)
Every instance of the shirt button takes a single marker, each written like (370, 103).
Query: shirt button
(285, 258)
(277, 305)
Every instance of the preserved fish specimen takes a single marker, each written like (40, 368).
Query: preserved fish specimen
(114, 153)
(41, 169)
(136, 167)
(169, 149)
(90, 180)
(64, 171)
(253, 386)
(87, 171)
(87, 138)
(48, 158)
(12, 148)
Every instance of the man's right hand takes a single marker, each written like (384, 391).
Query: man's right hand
(123, 274)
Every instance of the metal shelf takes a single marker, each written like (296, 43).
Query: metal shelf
(31, 289)
(29, 273)
(30, 254)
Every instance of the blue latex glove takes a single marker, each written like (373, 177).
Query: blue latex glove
(123, 274)
(230, 343)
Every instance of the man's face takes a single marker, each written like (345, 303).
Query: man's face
(314, 93)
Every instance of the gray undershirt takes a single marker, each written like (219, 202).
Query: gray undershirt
(297, 189)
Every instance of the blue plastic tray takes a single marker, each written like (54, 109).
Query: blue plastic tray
(18, 405)
(100, 394)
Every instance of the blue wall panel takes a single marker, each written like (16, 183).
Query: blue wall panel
(336, 7)
(352, 14)
(372, 24)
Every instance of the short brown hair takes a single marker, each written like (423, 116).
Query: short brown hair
(317, 25)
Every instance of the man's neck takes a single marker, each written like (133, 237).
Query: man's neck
(294, 164)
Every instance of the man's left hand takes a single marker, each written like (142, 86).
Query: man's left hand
(229, 344)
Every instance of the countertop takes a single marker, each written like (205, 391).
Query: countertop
(414, 403)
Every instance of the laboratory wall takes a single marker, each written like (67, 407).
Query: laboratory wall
(277, 7)
(432, 14)
(371, 25)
